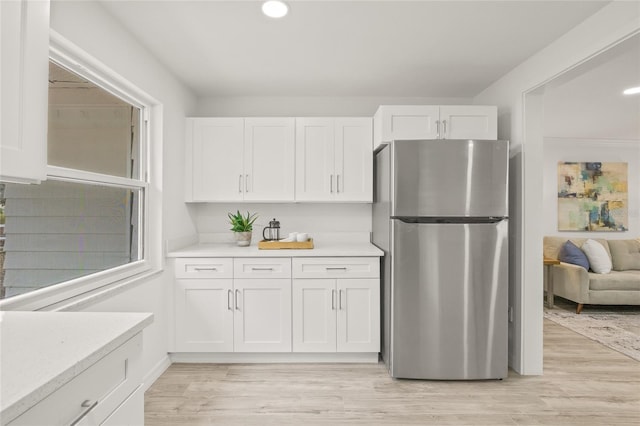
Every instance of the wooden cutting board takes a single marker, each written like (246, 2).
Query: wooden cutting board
(279, 245)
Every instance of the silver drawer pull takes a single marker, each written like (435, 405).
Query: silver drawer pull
(202, 268)
(88, 405)
(262, 269)
(336, 268)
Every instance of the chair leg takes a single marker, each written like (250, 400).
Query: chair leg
(579, 308)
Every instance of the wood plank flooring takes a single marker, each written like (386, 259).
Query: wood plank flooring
(584, 383)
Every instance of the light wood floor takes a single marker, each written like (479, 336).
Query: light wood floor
(584, 383)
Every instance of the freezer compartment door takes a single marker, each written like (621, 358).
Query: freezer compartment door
(450, 178)
(449, 301)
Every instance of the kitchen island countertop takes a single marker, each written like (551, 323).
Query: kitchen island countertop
(42, 351)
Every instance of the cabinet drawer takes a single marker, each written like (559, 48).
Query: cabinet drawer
(104, 385)
(336, 267)
(203, 267)
(262, 268)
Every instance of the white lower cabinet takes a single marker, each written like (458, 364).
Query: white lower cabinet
(247, 314)
(129, 413)
(266, 305)
(336, 315)
(107, 390)
(336, 305)
(204, 315)
(262, 315)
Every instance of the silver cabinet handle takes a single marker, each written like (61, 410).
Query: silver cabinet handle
(333, 300)
(340, 300)
(246, 183)
(229, 297)
(240, 184)
(237, 299)
(331, 184)
(337, 183)
(438, 129)
(261, 269)
(335, 268)
(202, 268)
(88, 405)
(444, 129)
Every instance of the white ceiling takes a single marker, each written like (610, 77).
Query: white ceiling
(346, 48)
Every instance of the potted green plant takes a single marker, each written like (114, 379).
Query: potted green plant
(242, 225)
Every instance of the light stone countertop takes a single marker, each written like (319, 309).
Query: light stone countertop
(321, 249)
(42, 351)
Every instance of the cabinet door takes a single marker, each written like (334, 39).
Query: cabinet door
(354, 159)
(358, 315)
(24, 71)
(396, 122)
(215, 160)
(204, 315)
(269, 147)
(314, 315)
(262, 315)
(469, 122)
(315, 177)
(129, 413)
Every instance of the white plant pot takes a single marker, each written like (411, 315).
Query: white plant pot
(243, 239)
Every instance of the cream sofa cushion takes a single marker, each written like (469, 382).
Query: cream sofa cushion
(620, 281)
(625, 254)
(598, 257)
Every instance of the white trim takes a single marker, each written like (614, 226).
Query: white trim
(530, 286)
(81, 176)
(276, 357)
(82, 289)
(44, 298)
(155, 373)
(67, 54)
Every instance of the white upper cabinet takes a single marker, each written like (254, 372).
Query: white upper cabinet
(269, 159)
(24, 72)
(215, 159)
(469, 122)
(235, 159)
(397, 122)
(334, 159)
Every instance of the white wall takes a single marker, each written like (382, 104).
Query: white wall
(605, 28)
(91, 28)
(309, 106)
(319, 220)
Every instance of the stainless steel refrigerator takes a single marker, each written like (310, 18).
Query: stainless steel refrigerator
(440, 214)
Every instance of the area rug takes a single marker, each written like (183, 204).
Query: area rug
(617, 327)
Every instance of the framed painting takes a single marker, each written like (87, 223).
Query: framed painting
(592, 196)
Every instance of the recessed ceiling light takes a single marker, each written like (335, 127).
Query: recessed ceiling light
(632, 91)
(274, 8)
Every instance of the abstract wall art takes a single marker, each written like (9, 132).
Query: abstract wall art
(592, 196)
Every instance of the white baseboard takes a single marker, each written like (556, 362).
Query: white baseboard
(266, 358)
(155, 372)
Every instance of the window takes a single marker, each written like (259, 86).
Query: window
(84, 226)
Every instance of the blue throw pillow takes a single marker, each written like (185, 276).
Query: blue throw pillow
(571, 253)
